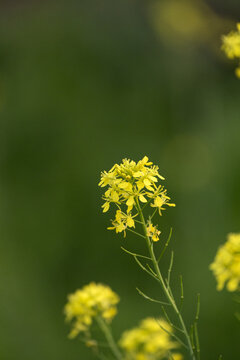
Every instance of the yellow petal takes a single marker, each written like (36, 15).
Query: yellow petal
(140, 185)
(138, 174)
(146, 182)
(120, 228)
(105, 206)
(119, 215)
(153, 178)
(130, 201)
(123, 185)
(114, 196)
(108, 192)
(129, 208)
(158, 202)
(130, 221)
(142, 198)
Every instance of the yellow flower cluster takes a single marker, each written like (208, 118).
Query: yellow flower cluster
(90, 301)
(149, 341)
(128, 184)
(231, 46)
(153, 232)
(122, 221)
(226, 265)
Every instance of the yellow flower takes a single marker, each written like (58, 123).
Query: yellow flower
(226, 265)
(177, 356)
(237, 71)
(231, 45)
(149, 340)
(153, 232)
(121, 222)
(130, 183)
(90, 301)
(161, 200)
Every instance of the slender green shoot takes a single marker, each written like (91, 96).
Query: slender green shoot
(151, 299)
(198, 307)
(182, 292)
(173, 335)
(196, 327)
(197, 340)
(166, 315)
(192, 337)
(133, 254)
(135, 232)
(166, 245)
(109, 337)
(169, 270)
(144, 269)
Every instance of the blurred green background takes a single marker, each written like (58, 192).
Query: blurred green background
(84, 84)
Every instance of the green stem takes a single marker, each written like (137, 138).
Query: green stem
(164, 287)
(112, 344)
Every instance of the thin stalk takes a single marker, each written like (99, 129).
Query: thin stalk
(197, 340)
(112, 344)
(196, 327)
(192, 337)
(135, 232)
(163, 285)
(169, 271)
(166, 245)
(182, 293)
(134, 254)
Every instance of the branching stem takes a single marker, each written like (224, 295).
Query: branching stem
(163, 285)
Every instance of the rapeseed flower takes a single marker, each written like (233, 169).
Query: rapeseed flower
(153, 232)
(231, 46)
(150, 340)
(85, 304)
(130, 184)
(121, 222)
(226, 265)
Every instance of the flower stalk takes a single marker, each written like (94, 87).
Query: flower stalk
(165, 287)
(132, 187)
(109, 337)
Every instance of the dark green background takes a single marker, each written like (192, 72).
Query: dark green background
(83, 85)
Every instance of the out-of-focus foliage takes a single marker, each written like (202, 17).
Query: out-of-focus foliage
(183, 23)
(84, 85)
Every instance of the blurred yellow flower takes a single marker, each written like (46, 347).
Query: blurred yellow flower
(90, 301)
(237, 71)
(231, 46)
(203, 25)
(129, 183)
(150, 340)
(177, 356)
(226, 265)
(231, 43)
